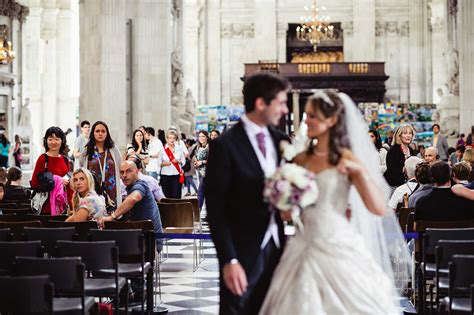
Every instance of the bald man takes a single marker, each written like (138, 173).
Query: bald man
(431, 155)
(139, 202)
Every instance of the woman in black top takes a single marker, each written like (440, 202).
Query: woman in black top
(13, 188)
(397, 155)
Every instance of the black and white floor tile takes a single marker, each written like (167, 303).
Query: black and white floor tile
(185, 291)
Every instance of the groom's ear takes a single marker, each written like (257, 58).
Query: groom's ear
(260, 104)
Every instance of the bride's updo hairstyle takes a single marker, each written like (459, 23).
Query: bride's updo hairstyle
(328, 104)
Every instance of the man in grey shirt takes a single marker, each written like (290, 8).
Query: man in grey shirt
(80, 142)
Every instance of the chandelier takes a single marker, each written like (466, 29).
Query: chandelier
(314, 26)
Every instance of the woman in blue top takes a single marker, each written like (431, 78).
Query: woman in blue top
(4, 150)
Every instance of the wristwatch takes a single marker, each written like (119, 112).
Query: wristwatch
(233, 261)
(113, 215)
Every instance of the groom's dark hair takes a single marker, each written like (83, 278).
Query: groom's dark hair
(264, 85)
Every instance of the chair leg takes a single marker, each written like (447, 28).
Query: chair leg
(150, 293)
(431, 299)
(126, 298)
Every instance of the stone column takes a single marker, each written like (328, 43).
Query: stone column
(32, 67)
(266, 29)
(364, 30)
(190, 16)
(213, 52)
(416, 60)
(466, 64)
(348, 29)
(67, 103)
(392, 60)
(49, 66)
(103, 65)
(439, 45)
(151, 51)
(282, 29)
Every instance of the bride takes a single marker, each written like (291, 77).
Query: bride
(340, 262)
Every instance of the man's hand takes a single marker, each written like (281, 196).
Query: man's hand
(235, 278)
(103, 220)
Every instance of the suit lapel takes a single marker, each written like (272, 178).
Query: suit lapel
(276, 142)
(246, 147)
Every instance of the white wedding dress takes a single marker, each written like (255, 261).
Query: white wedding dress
(327, 268)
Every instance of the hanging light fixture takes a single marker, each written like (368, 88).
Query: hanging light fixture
(315, 26)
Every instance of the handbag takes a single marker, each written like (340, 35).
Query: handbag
(176, 165)
(45, 178)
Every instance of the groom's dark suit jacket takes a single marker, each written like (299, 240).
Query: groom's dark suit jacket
(234, 183)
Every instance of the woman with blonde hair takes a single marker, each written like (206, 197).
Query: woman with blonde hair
(398, 153)
(87, 205)
(172, 158)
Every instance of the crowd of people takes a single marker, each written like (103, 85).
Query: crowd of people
(430, 179)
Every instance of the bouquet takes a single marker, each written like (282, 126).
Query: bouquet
(291, 188)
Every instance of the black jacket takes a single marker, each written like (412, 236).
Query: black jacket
(395, 162)
(234, 184)
(441, 204)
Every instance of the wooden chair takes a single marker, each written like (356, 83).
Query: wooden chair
(403, 214)
(178, 218)
(193, 201)
(18, 211)
(422, 225)
(45, 218)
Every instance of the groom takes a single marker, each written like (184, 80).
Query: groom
(248, 238)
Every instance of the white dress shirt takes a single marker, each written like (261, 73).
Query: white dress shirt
(268, 164)
(155, 147)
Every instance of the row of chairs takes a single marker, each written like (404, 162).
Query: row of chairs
(131, 256)
(437, 248)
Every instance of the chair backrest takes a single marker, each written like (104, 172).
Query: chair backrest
(49, 236)
(403, 217)
(432, 236)
(146, 226)
(193, 201)
(94, 255)
(18, 228)
(447, 248)
(44, 218)
(26, 295)
(12, 218)
(82, 228)
(8, 205)
(4, 235)
(461, 273)
(176, 215)
(66, 273)
(10, 250)
(130, 243)
(19, 211)
(422, 225)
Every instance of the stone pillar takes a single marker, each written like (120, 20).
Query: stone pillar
(213, 53)
(466, 64)
(266, 29)
(151, 51)
(49, 66)
(282, 29)
(364, 30)
(439, 46)
(416, 60)
(348, 29)
(67, 103)
(32, 67)
(103, 65)
(190, 16)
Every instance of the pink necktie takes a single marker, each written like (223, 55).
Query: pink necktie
(261, 143)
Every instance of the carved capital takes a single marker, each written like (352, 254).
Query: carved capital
(453, 7)
(437, 24)
(405, 28)
(237, 30)
(391, 28)
(13, 10)
(379, 28)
